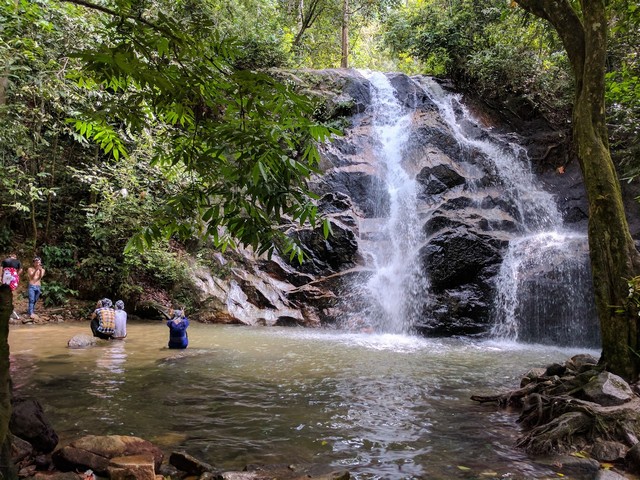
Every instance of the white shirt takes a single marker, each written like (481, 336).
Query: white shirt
(121, 324)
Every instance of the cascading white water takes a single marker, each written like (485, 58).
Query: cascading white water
(543, 286)
(542, 291)
(395, 289)
(536, 208)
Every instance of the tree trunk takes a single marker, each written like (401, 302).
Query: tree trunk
(614, 258)
(52, 180)
(344, 61)
(6, 308)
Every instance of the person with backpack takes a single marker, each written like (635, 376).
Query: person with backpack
(11, 270)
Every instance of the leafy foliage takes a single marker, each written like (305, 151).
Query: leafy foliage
(623, 86)
(55, 293)
(244, 141)
(488, 46)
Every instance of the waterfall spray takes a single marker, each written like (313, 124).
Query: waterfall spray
(396, 288)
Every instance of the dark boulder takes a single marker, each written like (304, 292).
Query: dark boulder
(461, 311)
(455, 257)
(29, 422)
(326, 255)
(439, 178)
(367, 191)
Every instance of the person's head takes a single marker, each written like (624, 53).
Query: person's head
(178, 313)
(119, 305)
(37, 261)
(106, 303)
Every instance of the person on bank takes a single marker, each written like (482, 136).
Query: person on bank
(103, 319)
(11, 270)
(178, 324)
(120, 329)
(35, 274)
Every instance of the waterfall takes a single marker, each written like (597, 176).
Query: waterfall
(444, 197)
(543, 288)
(389, 241)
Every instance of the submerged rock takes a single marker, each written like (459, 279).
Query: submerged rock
(189, 464)
(82, 340)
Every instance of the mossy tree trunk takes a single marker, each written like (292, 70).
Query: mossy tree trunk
(6, 307)
(614, 258)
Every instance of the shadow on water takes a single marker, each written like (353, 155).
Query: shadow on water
(382, 406)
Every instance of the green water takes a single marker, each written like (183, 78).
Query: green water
(381, 406)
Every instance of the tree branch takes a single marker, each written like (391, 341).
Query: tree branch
(115, 13)
(567, 23)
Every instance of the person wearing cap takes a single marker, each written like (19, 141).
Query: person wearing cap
(35, 274)
(120, 329)
(103, 319)
(178, 324)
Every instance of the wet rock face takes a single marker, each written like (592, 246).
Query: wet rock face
(457, 257)
(467, 223)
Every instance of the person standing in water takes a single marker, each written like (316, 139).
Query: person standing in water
(120, 330)
(178, 324)
(35, 274)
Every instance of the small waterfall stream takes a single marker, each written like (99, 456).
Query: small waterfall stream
(396, 287)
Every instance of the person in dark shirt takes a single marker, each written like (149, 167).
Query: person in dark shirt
(178, 324)
(11, 270)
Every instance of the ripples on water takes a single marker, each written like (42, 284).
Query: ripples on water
(382, 406)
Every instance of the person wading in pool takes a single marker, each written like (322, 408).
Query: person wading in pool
(178, 324)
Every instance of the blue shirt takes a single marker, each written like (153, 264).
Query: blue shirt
(178, 333)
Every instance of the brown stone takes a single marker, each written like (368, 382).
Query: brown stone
(132, 467)
(94, 452)
(608, 451)
(20, 449)
(189, 464)
(72, 458)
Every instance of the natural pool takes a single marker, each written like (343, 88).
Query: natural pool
(380, 406)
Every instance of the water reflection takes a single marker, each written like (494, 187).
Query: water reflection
(383, 406)
(109, 375)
